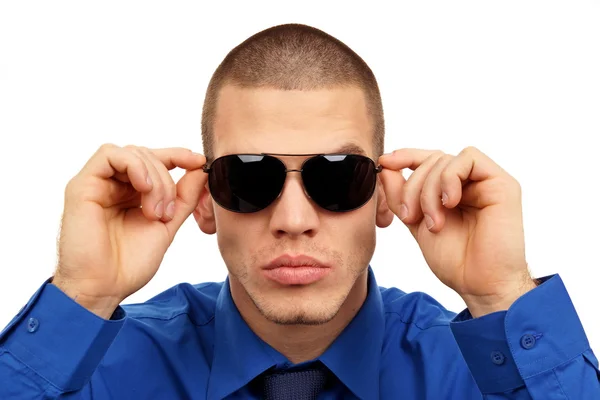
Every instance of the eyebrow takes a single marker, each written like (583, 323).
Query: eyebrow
(346, 148)
(350, 148)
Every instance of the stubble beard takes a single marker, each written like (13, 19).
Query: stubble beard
(309, 313)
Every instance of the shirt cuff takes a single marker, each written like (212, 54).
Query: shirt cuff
(540, 331)
(59, 339)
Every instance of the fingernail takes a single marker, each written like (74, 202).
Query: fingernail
(444, 198)
(149, 180)
(403, 211)
(171, 210)
(428, 221)
(159, 209)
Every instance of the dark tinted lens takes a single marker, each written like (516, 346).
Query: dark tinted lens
(246, 183)
(339, 182)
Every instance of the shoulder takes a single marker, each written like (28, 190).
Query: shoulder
(171, 334)
(195, 301)
(417, 327)
(419, 345)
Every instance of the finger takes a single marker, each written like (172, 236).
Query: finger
(110, 160)
(169, 191)
(393, 181)
(94, 183)
(473, 179)
(431, 196)
(405, 158)
(189, 189)
(179, 157)
(411, 192)
(153, 205)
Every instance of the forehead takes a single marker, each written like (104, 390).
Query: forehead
(266, 120)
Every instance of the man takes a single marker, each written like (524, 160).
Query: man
(294, 183)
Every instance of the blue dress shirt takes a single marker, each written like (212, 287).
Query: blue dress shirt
(190, 342)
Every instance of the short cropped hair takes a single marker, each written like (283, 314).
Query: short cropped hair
(293, 57)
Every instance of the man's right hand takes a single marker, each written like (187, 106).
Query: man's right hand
(121, 214)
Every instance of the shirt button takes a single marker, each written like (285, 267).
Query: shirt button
(497, 358)
(32, 325)
(527, 341)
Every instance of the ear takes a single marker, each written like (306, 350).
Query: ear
(204, 213)
(385, 216)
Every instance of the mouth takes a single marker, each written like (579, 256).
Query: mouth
(295, 270)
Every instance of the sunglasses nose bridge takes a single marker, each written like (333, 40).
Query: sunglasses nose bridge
(301, 182)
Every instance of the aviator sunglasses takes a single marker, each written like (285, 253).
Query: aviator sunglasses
(246, 183)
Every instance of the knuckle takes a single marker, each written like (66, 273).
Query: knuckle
(470, 150)
(445, 159)
(141, 151)
(76, 188)
(436, 155)
(135, 157)
(71, 186)
(134, 149)
(106, 147)
(130, 147)
(509, 184)
(146, 153)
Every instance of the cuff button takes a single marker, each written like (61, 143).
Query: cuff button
(497, 358)
(527, 341)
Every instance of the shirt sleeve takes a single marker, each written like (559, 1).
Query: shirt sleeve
(53, 346)
(536, 349)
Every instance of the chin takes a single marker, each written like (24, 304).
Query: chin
(299, 318)
(317, 310)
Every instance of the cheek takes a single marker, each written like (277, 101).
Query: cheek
(354, 231)
(363, 234)
(237, 235)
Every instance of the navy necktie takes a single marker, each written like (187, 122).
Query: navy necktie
(303, 384)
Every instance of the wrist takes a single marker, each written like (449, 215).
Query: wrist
(482, 305)
(102, 306)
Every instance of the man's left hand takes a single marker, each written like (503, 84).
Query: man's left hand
(465, 213)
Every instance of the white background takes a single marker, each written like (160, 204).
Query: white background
(518, 79)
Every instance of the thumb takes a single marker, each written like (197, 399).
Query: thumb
(393, 183)
(189, 189)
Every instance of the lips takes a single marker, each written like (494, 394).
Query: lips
(296, 270)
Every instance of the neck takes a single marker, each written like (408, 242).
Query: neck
(299, 343)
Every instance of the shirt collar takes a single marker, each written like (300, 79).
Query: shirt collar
(354, 357)
(240, 355)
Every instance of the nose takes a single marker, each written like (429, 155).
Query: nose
(293, 213)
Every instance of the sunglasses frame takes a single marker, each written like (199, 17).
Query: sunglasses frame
(377, 169)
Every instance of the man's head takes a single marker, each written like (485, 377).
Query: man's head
(294, 89)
